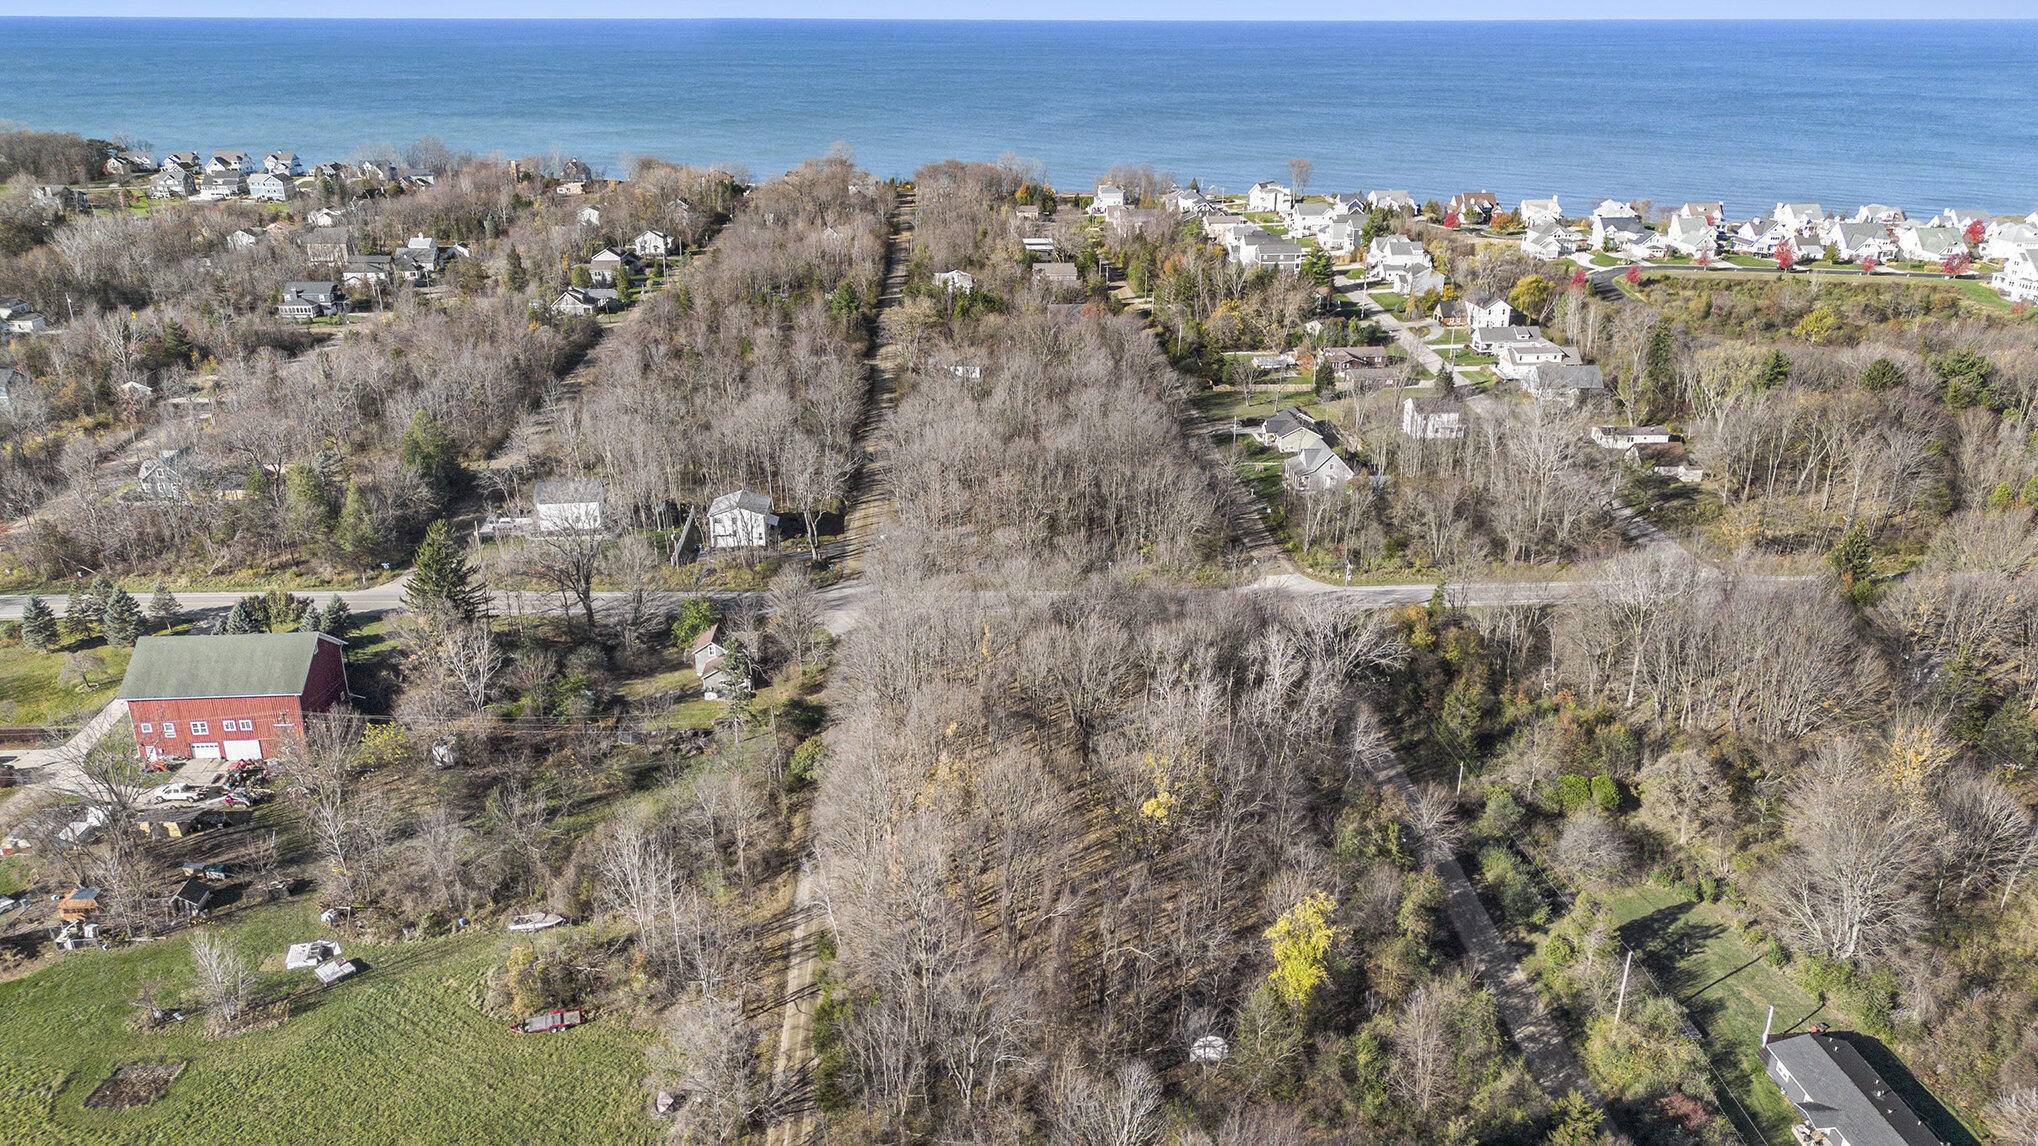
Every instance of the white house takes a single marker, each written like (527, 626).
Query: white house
(229, 163)
(567, 505)
(1432, 418)
(2018, 280)
(956, 282)
(2005, 239)
(1389, 253)
(1540, 212)
(1258, 248)
(17, 317)
(1692, 235)
(172, 182)
(1799, 218)
(1108, 196)
(741, 520)
(1548, 241)
(1879, 213)
(269, 187)
(1959, 219)
(1929, 244)
(1314, 470)
(1488, 310)
(1759, 236)
(1615, 209)
(590, 216)
(654, 245)
(1310, 218)
(1489, 339)
(1622, 437)
(243, 239)
(1268, 196)
(1617, 232)
(1856, 241)
(284, 163)
(1289, 431)
(1514, 360)
(1400, 201)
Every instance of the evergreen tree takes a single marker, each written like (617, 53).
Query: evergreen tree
(1853, 556)
(1882, 374)
(695, 615)
(356, 533)
(626, 286)
(580, 278)
(163, 607)
(441, 581)
(515, 274)
(429, 449)
(122, 619)
(81, 615)
(241, 620)
(337, 618)
(39, 626)
(1775, 371)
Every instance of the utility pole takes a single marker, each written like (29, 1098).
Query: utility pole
(1621, 1004)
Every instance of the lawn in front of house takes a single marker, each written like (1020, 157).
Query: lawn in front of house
(401, 1053)
(34, 691)
(1696, 952)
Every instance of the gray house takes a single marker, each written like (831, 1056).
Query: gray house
(269, 187)
(172, 182)
(586, 302)
(1840, 1096)
(304, 301)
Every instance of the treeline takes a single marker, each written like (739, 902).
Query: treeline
(1072, 822)
(52, 156)
(750, 374)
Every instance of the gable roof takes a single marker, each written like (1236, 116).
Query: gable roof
(741, 499)
(566, 491)
(1836, 1089)
(253, 664)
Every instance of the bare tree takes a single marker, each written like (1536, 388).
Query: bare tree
(225, 978)
(1121, 1110)
(704, 1059)
(1849, 887)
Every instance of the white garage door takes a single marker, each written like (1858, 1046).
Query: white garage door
(205, 751)
(244, 750)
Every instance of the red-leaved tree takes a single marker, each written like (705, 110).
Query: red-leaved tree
(1451, 220)
(1975, 233)
(1956, 264)
(1705, 260)
(1868, 264)
(1786, 256)
(1578, 279)
(1634, 276)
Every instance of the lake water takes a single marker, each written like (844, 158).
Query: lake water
(1921, 115)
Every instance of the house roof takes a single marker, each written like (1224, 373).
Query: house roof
(1567, 376)
(1310, 460)
(566, 491)
(705, 638)
(740, 499)
(252, 664)
(1836, 1089)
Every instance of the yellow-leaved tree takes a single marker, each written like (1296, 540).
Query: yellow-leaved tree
(1300, 940)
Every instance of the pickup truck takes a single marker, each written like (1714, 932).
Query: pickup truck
(178, 792)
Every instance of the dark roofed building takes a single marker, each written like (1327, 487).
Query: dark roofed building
(1840, 1095)
(229, 697)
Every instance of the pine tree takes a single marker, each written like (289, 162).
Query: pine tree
(429, 449)
(356, 532)
(163, 607)
(337, 618)
(122, 619)
(441, 581)
(1775, 371)
(1882, 374)
(515, 274)
(81, 615)
(39, 626)
(241, 620)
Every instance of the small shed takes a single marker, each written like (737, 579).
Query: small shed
(190, 898)
(81, 904)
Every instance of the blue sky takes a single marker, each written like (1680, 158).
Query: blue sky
(1050, 9)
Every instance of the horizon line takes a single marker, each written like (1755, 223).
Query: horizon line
(1028, 20)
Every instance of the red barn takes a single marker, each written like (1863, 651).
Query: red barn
(229, 697)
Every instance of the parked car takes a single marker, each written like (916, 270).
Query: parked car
(178, 792)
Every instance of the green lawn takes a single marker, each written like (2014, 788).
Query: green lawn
(401, 1053)
(30, 694)
(1697, 953)
(1389, 301)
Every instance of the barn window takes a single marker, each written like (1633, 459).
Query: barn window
(147, 727)
(200, 728)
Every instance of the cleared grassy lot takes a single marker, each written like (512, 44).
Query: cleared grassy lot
(402, 1053)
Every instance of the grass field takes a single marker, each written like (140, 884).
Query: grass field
(399, 1054)
(30, 692)
(1697, 955)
